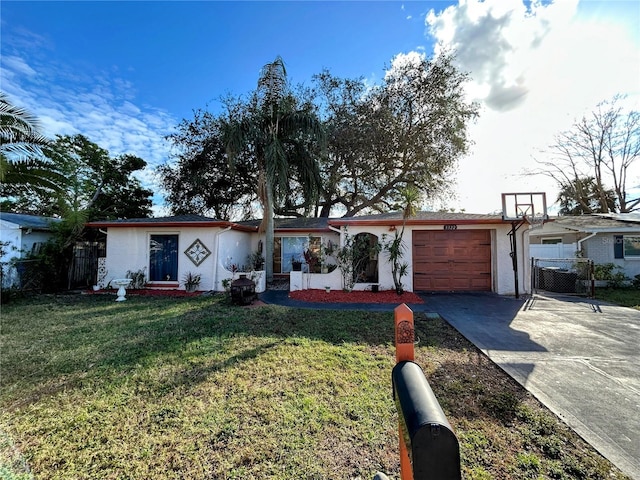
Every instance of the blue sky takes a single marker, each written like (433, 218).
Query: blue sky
(126, 73)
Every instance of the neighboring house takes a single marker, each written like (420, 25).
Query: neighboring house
(444, 251)
(603, 238)
(22, 235)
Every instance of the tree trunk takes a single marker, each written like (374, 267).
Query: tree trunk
(269, 231)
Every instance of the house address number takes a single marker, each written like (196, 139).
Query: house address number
(451, 227)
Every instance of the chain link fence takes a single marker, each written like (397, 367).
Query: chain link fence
(563, 275)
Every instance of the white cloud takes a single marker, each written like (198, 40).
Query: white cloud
(534, 71)
(102, 107)
(16, 65)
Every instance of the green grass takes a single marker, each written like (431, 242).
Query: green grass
(193, 388)
(626, 297)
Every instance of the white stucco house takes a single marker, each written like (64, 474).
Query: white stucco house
(21, 235)
(444, 251)
(603, 238)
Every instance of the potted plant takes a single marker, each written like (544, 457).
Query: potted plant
(296, 265)
(191, 281)
(255, 261)
(328, 289)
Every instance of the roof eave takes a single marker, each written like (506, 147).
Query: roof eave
(170, 224)
(396, 222)
(302, 230)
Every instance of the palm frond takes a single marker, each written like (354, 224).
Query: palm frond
(17, 125)
(272, 84)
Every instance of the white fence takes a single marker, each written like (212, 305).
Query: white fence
(557, 250)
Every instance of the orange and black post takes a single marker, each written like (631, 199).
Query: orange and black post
(405, 351)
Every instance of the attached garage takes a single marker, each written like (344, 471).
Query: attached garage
(449, 251)
(452, 260)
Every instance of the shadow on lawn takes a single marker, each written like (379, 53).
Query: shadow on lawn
(92, 337)
(96, 336)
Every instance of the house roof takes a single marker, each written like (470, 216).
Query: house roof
(295, 224)
(420, 218)
(172, 221)
(300, 224)
(610, 222)
(34, 222)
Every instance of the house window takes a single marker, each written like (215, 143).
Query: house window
(631, 246)
(289, 249)
(163, 258)
(551, 241)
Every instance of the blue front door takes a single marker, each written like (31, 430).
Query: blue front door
(163, 258)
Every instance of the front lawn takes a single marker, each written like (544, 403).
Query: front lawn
(191, 388)
(627, 297)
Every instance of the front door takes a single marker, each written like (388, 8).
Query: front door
(163, 258)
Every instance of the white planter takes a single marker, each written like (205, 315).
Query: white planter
(295, 281)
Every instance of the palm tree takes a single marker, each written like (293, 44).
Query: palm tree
(277, 133)
(395, 247)
(22, 162)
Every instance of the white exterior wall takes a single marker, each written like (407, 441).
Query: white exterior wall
(502, 266)
(128, 250)
(10, 233)
(20, 243)
(600, 249)
(233, 248)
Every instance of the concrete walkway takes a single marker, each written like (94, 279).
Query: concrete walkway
(579, 357)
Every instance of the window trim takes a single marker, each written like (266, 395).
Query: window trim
(624, 247)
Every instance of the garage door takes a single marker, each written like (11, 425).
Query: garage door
(452, 260)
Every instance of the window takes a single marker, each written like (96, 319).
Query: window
(289, 249)
(627, 246)
(551, 241)
(163, 258)
(631, 246)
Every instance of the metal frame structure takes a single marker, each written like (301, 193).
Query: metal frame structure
(518, 208)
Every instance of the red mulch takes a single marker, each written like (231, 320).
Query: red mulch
(355, 296)
(148, 292)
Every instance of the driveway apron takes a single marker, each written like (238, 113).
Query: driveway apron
(579, 357)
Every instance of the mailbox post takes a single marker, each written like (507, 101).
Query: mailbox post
(428, 447)
(405, 351)
(432, 445)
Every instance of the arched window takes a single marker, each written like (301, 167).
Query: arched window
(365, 258)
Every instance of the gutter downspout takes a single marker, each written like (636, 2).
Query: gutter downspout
(585, 239)
(215, 256)
(338, 231)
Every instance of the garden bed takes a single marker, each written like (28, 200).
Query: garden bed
(355, 296)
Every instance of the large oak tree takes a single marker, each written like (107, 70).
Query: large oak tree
(409, 131)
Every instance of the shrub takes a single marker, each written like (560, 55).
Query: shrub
(610, 272)
(138, 278)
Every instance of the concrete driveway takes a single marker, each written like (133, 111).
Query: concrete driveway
(579, 357)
